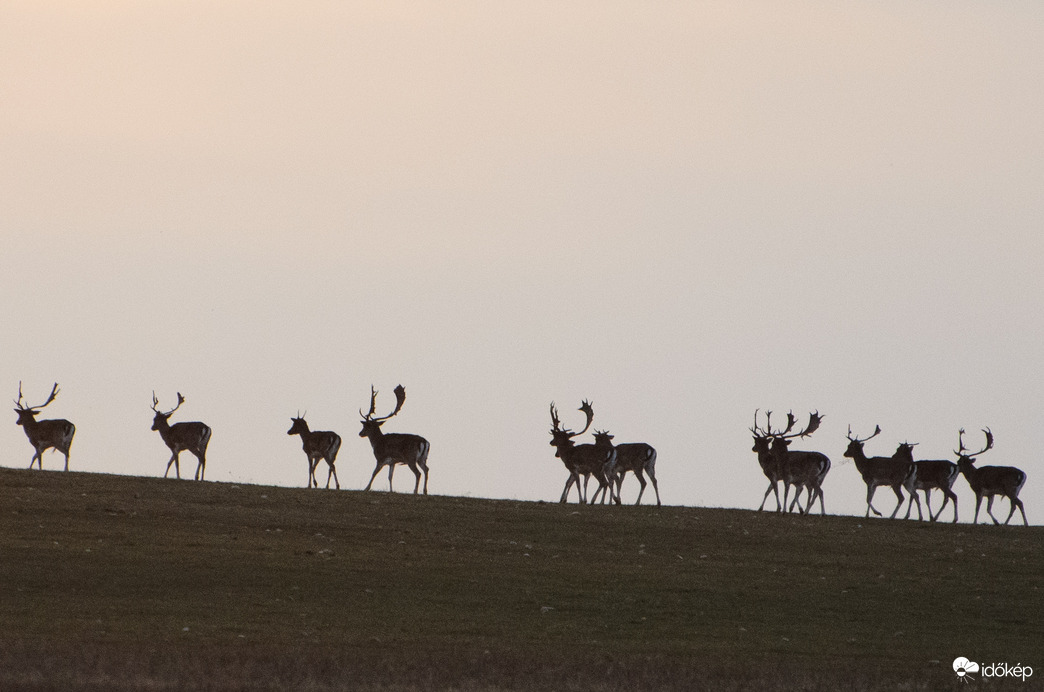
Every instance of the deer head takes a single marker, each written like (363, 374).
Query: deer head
(298, 426)
(28, 413)
(962, 452)
(160, 419)
(563, 436)
(905, 451)
(371, 424)
(855, 445)
(781, 438)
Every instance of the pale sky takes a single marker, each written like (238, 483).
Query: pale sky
(682, 211)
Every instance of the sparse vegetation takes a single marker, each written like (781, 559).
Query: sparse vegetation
(113, 582)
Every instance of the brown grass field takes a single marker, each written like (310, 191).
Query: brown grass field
(116, 582)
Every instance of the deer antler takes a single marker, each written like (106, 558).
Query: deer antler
(373, 405)
(400, 399)
(814, 419)
(586, 408)
(964, 451)
(554, 418)
(155, 403)
(877, 431)
(23, 407)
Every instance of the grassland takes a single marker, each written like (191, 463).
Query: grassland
(114, 582)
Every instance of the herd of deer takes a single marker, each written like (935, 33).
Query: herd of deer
(608, 463)
(388, 449)
(806, 470)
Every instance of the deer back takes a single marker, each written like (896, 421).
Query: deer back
(399, 447)
(321, 443)
(633, 456)
(994, 480)
(936, 473)
(804, 466)
(192, 436)
(893, 470)
(590, 458)
(44, 434)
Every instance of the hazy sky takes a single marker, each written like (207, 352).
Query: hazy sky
(681, 211)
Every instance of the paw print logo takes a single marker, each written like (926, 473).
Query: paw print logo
(964, 668)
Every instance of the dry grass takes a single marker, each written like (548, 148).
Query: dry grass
(113, 582)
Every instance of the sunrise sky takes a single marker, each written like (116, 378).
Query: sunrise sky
(682, 211)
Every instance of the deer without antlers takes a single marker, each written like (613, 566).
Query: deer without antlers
(394, 448)
(318, 444)
(582, 460)
(988, 481)
(193, 437)
(894, 472)
(44, 434)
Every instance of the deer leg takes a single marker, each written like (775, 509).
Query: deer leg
(870, 489)
(641, 479)
(1011, 501)
(797, 494)
(928, 503)
(914, 498)
(656, 488)
(375, 472)
(423, 464)
(989, 509)
(603, 487)
(568, 485)
(768, 490)
(38, 457)
(333, 472)
(177, 466)
(810, 497)
(1016, 502)
(391, 472)
(822, 507)
(417, 473)
(952, 495)
(66, 460)
(594, 498)
(898, 505)
(201, 467)
(978, 503)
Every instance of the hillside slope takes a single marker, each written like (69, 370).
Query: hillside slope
(145, 583)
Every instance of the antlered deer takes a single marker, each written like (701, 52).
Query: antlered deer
(770, 465)
(801, 469)
(44, 434)
(192, 437)
(932, 474)
(637, 457)
(987, 481)
(894, 472)
(319, 444)
(394, 448)
(798, 468)
(582, 460)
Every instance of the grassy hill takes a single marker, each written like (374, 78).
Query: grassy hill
(144, 583)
